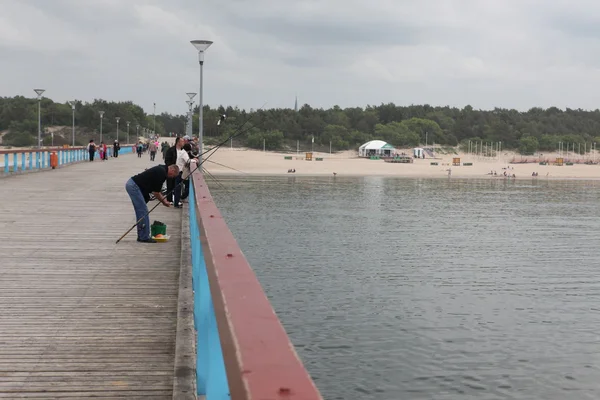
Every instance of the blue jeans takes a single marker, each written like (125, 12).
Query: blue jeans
(141, 209)
(177, 192)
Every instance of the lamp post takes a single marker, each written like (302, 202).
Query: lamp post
(128, 132)
(201, 46)
(154, 117)
(73, 108)
(39, 98)
(190, 103)
(188, 126)
(137, 132)
(117, 118)
(101, 118)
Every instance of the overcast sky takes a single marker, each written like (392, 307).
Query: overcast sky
(505, 53)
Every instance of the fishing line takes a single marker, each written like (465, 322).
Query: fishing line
(215, 179)
(223, 165)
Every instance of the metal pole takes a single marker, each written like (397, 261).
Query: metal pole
(264, 147)
(39, 122)
(128, 132)
(297, 147)
(200, 114)
(118, 118)
(101, 118)
(330, 147)
(73, 106)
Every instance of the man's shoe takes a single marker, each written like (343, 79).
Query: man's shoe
(147, 240)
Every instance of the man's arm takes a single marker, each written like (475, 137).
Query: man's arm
(160, 198)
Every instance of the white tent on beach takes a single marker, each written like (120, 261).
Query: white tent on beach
(376, 148)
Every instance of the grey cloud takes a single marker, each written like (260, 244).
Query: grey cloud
(514, 53)
(330, 33)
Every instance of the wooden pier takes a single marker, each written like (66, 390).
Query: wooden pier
(79, 315)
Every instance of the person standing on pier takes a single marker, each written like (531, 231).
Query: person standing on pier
(139, 187)
(152, 148)
(183, 161)
(91, 148)
(116, 148)
(171, 159)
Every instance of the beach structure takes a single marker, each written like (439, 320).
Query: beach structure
(84, 318)
(376, 148)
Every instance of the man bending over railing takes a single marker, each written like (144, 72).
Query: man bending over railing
(139, 188)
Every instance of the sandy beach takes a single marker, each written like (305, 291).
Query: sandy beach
(254, 162)
(244, 161)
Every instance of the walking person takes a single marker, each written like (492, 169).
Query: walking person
(139, 187)
(164, 148)
(152, 147)
(140, 147)
(91, 148)
(104, 154)
(116, 148)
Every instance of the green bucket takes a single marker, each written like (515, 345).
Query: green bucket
(158, 230)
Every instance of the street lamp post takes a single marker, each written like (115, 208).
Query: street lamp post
(189, 128)
(101, 118)
(154, 117)
(117, 118)
(128, 132)
(73, 108)
(39, 98)
(201, 46)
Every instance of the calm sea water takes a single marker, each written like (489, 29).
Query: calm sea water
(429, 289)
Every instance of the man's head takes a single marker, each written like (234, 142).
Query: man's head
(173, 171)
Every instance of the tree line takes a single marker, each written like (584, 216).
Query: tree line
(537, 129)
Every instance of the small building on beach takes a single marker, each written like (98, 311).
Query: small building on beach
(376, 148)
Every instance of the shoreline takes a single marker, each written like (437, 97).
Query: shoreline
(341, 176)
(248, 162)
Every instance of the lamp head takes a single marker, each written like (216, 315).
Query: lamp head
(201, 46)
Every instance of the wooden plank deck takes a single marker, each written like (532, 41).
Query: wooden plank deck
(79, 315)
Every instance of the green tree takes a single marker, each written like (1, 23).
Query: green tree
(528, 145)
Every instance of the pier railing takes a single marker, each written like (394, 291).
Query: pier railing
(25, 160)
(242, 350)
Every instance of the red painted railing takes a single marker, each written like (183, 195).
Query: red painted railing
(260, 361)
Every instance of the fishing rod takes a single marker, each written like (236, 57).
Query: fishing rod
(237, 133)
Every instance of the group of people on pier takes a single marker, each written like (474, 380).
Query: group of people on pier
(102, 150)
(180, 161)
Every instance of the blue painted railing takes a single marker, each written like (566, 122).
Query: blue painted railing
(16, 161)
(242, 350)
(211, 379)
